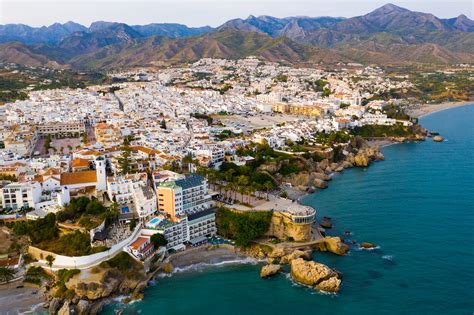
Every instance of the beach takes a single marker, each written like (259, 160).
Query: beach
(422, 110)
(20, 298)
(206, 255)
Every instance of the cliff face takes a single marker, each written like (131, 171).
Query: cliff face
(283, 228)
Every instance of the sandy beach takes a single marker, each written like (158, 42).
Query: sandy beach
(15, 300)
(209, 255)
(426, 109)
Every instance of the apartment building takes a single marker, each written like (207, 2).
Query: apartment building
(132, 190)
(180, 195)
(21, 195)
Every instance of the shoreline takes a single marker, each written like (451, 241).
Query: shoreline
(27, 299)
(207, 256)
(423, 110)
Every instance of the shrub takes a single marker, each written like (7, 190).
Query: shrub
(243, 227)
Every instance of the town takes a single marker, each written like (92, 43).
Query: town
(142, 165)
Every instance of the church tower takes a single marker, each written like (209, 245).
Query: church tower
(101, 174)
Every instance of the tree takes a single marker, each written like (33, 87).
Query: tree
(6, 274)
(158, 240)
(124, 160)
(69, 147)
(50, 260)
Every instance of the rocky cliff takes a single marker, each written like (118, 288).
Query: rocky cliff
(283, 228)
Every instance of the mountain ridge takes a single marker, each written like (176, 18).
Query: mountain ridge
(389, 34)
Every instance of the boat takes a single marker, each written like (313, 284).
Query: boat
(438, 139)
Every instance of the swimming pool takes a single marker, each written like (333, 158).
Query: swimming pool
(125, 210)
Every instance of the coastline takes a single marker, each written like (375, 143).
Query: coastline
(26, 299)
(210, 255)
(424, 110)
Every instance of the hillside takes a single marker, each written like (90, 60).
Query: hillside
(387, 35)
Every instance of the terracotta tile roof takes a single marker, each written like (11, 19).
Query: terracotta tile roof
(144, 150)
(52, 171)
(78, 178)
(138, 242)
(80, 163)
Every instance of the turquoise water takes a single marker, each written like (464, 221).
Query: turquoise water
(417, 205)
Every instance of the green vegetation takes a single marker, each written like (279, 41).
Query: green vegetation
(158, 240)
(376, 131)
(281, 78)
(395, 112)
(226, 134)
(89, 213)
(39, 230)
(63, 277)
(75, 243)
(35, 275)
(202, 116)
(344, 105)
(6, 274)
(243, 227)
(125, 264)
(316, 85)
(11, 178)
(333, 137)
(13, 84)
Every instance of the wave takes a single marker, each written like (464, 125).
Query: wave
(387, 257)
(204, 265)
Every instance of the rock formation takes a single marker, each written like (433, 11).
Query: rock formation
(315, 275)
(366, 245)
(269, 270)
(282, 227)
(306, 255)
(334, 245)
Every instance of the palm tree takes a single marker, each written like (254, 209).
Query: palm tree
(267, 185)
(50, 259)
(6, 274)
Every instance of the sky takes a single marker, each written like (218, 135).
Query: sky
(205, 12)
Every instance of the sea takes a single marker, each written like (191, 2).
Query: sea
(417, 206)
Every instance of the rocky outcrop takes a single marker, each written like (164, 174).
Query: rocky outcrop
(306, 255)
(82, 307)
(315, 275)
(258, 251)
(54, 305)
(269, 270)
(366, 245)
(65, 309)
(334, 245)
(321, 184)
(283, 228)
(326, 222)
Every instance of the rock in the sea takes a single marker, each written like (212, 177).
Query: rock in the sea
(168, 268)
(330, 285)
(82, 307)
(65, 309)
(306, 255)
(334, 245)
(361, 160)
(438, 139)
(315, 274)
(367, 245)
(325, 222)
(269, 270)
(54, 305)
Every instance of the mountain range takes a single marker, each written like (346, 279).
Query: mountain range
(387, 35)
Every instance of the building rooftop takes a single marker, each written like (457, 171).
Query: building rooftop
(191, 180)
(201, 214)
(78, 178)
